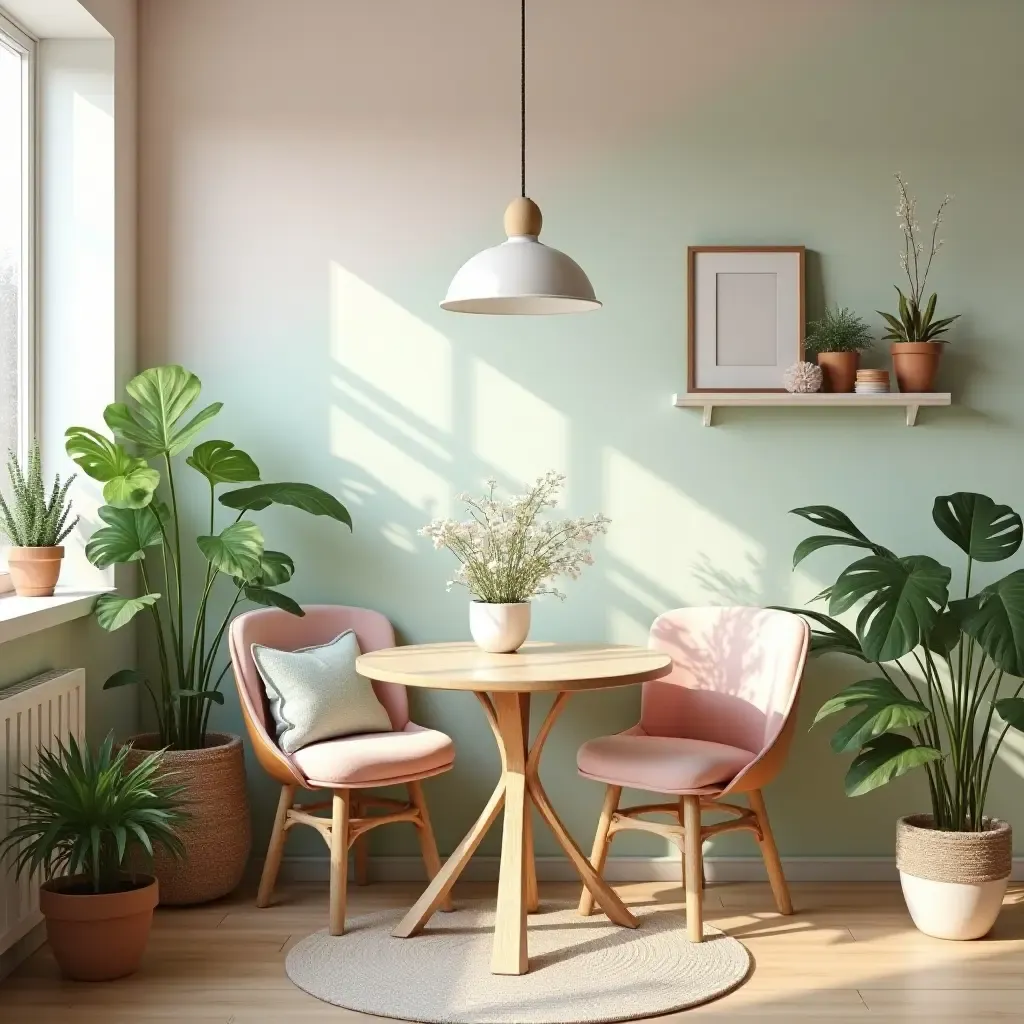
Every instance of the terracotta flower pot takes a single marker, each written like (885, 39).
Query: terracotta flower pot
(916, 363)
(217, 835)
(97, 937)
(839, 370)
(953, 882)
(34, 571)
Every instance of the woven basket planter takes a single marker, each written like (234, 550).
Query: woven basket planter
(217, 834)
(953, 882)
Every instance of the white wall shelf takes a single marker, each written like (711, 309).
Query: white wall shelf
(708, 401)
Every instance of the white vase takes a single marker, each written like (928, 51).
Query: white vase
(499, 628)
(953, 882)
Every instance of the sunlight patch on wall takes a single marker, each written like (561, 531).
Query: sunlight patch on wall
(517, 433)
(674, 548)
(400, 357)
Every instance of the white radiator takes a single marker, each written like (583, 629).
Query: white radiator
(32, 713)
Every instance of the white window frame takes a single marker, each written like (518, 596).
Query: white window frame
(15, 38)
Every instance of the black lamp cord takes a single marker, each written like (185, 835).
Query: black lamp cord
(522, 98)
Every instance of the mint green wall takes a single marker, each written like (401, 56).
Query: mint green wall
(309, 185)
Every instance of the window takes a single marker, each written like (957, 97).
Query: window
(16, 222)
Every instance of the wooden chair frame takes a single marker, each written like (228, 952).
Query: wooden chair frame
(688, 835)
(344, 832)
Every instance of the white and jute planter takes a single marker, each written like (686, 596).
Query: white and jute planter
(499, 628)
(953, 882)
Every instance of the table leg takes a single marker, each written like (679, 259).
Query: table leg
(532, 892)
(510, 954)
(603, 893)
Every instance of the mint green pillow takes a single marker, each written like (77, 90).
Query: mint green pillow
(316, 693)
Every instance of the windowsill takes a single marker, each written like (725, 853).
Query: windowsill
(20, 616)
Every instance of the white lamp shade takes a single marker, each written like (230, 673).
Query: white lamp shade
(520, 276)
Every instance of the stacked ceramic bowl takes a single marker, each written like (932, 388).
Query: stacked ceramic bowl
(872, 382)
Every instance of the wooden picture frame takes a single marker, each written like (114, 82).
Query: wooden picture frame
(745, 316)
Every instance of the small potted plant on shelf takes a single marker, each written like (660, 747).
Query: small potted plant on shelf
(916, 335)
(85, 821)
(146, 521)
(946, 690)
(507, 556)
(36, 526)
(838, 339)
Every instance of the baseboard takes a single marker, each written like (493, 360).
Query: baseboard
(22, 949)
(632, 869)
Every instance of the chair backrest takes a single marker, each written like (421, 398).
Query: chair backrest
(273, 627)
(735, 679)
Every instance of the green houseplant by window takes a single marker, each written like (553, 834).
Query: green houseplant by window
(84, 822)
(145, 525)
(916, 335)
(838, 339)
(35, 525)
(946, 690)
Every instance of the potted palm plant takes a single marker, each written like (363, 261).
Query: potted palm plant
(945, 692)
(84, 822)
(146, 524)
(838, 339)
(36, 526)
(508, 555)
(916, 336)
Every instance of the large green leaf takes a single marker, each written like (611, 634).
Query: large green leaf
(163, 394)
(128, 482)
(904, 597)
(978, 526)
(273, 599)
(864, 691)
(830, 518)
(885, 758)
(114, 611)
(1011, 711)
(302, 496)
(824, 540)
(997, 622)
(129, 531)
(236, 550)
(835, 639)
(275, 568)
(125, 677)
(222, 463)
(876, 718)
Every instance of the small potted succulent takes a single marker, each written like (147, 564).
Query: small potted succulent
(35, 525)
(86, 820)
(838, 339)
(944, 690)
(508, 556)
(916, 335)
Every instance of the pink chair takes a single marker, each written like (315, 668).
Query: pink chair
(349, 766)
(719, 724)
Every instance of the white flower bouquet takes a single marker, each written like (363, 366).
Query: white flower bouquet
(507, 554)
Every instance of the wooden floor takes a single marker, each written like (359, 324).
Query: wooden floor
(849, 955)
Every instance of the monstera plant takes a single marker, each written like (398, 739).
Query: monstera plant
(144, 525)
(947, 684)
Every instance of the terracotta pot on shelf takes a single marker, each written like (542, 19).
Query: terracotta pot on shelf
(839, 371)
(217, 834)
(34, 571)
(916, 363)
(97, 936)
(953, 882)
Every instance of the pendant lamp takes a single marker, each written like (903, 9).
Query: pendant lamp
(522, 275)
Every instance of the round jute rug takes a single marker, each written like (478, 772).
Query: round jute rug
(582, 970)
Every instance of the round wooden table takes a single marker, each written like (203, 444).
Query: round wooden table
(503, 684)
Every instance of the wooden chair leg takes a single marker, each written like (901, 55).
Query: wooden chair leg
(770, 853)
(694, 858)
(361, 847)
(339, 859)
(602, 842)
(425, 832)
(275, 850)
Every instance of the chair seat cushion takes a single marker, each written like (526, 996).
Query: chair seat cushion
(375, 758)
(661, 764)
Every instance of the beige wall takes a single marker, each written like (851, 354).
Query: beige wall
(312, 174)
